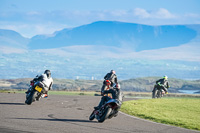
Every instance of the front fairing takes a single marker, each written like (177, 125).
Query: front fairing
(114, 101)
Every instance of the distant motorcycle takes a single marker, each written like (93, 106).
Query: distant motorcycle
(158, 92)
(34, 93)
(108, 110)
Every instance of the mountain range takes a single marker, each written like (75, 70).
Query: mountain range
(89, 51)
(135, 36)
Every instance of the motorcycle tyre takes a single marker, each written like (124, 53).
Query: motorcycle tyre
(105, 115)
(92, 116)
(154, 93)
(30, 98)
(158, 94)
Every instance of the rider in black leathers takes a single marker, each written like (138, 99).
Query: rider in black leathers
(115, 91)
(162, 84)
(112, 77)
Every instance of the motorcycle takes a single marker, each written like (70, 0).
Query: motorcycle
(108, 110)
(34, 93)
(158, 92)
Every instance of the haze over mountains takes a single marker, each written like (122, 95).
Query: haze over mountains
(87, 51)
(136, 36)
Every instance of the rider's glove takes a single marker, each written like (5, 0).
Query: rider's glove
(102, 93)
(117, 85)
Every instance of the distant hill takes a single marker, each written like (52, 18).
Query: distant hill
(92, 50)
(12, 39)
(137, 37)
(137, 84)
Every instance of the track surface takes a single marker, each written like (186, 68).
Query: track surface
(68, 114)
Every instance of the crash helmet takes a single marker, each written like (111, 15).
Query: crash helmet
(165, 77)
(108, 82)
(112, 71)
(48, 73)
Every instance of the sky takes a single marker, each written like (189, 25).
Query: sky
(33, 17)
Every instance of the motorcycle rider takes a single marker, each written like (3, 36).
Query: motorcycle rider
(162, 84)
(112, 77)
(115, 91)
(45, 81)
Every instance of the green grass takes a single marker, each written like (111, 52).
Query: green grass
(183, 112)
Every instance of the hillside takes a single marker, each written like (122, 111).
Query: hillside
(137, 84)
(13, 39)
(90, 51)
(137, 37)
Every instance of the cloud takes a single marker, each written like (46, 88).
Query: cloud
(118, 13)
(163, 14)
(141, 13)
(30, 30)
(46, 22)
(192, 15)
(73, 16)
(159, 14)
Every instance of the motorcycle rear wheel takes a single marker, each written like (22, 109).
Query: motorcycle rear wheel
(29, 98)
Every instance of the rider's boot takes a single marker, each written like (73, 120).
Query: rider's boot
(44, 95)
(38, 97)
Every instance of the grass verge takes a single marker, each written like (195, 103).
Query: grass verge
(183, 112)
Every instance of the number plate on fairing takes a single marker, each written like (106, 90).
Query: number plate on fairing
(37, 88)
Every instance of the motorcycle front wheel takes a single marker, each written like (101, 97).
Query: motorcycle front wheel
(105, 115)
(92, 116)
(154, 94)
(158, 94)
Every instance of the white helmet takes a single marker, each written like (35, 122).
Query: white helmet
(165, 77)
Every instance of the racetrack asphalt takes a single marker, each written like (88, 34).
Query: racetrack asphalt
(69, 114)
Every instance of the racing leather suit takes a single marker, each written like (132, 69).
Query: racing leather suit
(46, 82)
(115, 95)
(164, 84)
(112, 78)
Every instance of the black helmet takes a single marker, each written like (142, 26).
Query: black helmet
(48, 73)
